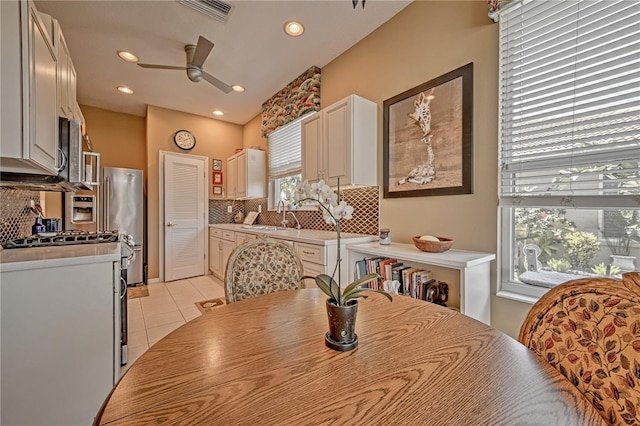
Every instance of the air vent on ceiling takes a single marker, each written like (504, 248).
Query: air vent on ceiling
(214, 8)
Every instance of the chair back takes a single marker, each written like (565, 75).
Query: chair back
(262, 266)
(589, 330)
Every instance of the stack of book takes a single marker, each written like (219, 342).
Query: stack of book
(412, 281)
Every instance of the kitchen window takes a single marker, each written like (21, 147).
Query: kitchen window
(285, 161)
(569, 143)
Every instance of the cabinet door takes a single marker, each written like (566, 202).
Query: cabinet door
(336, 136)
(43, 93)
(227, 248)
(71, 84)
(232, 172)
(63, 77)
(214, 254)
(241, 175)
(312, 155)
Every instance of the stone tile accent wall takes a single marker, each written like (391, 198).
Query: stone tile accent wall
(16, 218)
(363, 199)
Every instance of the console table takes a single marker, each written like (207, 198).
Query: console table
(475, 276)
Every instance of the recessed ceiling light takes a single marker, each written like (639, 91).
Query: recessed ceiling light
(293, 28)
(218, 112)
(127, 56)
(237, 88)
(125, 89)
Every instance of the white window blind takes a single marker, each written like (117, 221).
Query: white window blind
(285, 150)
(570, 103)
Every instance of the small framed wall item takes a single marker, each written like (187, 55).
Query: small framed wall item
(217, 164)
(217, 178)
(217, 190)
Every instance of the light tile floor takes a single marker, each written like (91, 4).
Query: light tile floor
(168, 306)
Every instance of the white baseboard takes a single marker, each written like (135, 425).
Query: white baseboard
(154, 281)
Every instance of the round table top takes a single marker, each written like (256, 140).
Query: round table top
(264, 361)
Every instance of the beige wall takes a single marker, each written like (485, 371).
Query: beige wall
(214, 139)
(119, 138)
(424, 41)
(252, 132)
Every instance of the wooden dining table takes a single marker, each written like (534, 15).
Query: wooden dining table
(263, 361)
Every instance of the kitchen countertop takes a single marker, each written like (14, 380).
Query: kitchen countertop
(310, 236)
(46, 257)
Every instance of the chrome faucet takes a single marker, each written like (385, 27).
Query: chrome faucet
(284, 221)
(298, 226)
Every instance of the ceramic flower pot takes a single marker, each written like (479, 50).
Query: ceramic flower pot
(342, 325)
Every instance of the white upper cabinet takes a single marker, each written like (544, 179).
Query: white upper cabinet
(28, 79)
(247, 172)
(341, 142)
(67, 104)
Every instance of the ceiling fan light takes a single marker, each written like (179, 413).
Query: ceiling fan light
(293, 28)
(218, 112)
(126, 90)
(237, 88)
(127, 56)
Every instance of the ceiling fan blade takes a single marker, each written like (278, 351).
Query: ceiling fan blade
(161, 67)
(219, 84)
(203, 48)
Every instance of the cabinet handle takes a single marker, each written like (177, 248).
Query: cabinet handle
(307, 252)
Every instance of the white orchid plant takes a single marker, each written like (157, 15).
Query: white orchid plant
(333, 211)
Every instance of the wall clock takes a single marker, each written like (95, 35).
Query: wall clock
(184, 139)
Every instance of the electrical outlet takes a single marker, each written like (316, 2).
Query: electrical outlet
(259, 208)
(229, 209)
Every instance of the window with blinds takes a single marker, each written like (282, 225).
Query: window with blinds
(570, 103)
(569, 148)
(285, 150)
(285, 161)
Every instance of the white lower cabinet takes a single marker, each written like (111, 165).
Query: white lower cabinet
(221, 244)
(59, 326)
(316, 259)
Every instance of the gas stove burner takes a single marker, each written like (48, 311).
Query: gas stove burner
(64, 238)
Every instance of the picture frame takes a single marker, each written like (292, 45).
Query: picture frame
(217, 178)
(217, 190)
(428, 138)
(216, 164)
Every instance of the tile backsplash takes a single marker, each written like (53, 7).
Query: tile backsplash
(16, 218)
(364, 201)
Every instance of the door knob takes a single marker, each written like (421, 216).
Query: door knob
(170, 224)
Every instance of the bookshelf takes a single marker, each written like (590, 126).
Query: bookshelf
(473, 267)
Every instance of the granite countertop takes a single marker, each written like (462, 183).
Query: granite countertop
(54, 256)
(310, 236)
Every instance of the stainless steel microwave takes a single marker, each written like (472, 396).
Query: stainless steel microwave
(78, 167)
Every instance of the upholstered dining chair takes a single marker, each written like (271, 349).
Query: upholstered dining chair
(589, 330)
(262, 266)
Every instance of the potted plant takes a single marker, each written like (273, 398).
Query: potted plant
(342, 305)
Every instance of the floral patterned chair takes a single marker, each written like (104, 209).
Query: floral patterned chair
(589, 329)
(262, 266)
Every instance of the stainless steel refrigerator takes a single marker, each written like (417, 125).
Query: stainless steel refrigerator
(123, 210)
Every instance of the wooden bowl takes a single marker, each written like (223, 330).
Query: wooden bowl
(433, 246)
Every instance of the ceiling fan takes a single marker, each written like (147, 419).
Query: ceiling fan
(196, 55)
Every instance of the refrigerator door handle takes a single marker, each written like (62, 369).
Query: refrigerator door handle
(107, 189)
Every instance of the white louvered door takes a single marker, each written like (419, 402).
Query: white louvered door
(184, 216)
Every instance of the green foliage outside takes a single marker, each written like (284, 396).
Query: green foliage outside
(601, 269)
(545, 228)
(559, 265)
(581, 248)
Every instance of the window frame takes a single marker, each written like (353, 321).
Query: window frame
(506, 226)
